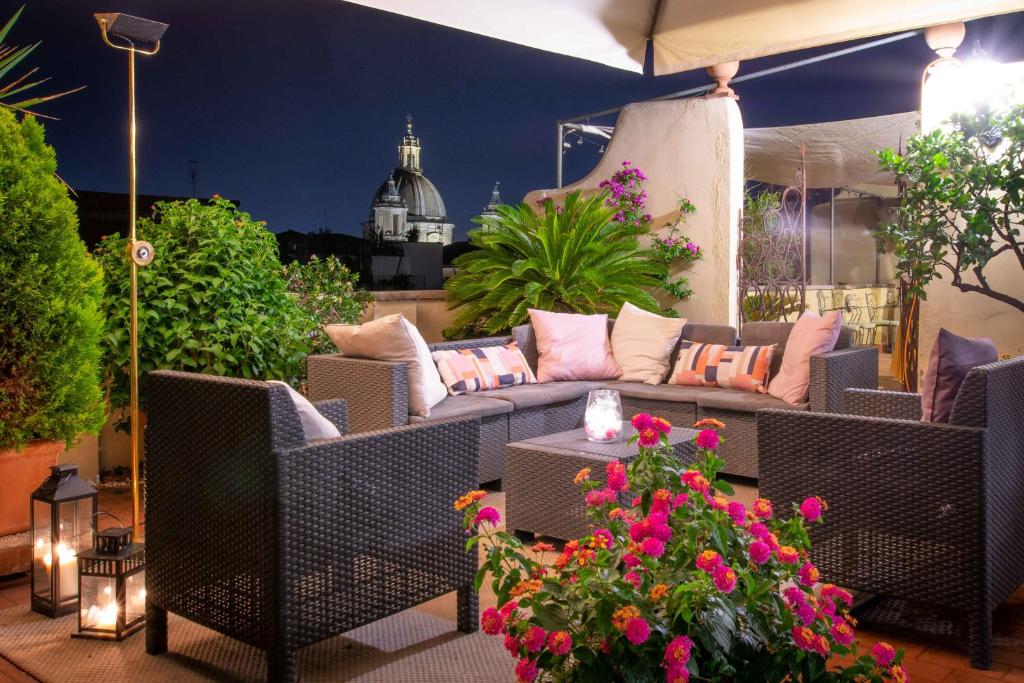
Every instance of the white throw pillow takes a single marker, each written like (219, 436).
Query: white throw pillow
(393, 338)
(314, 425)
(642, 343)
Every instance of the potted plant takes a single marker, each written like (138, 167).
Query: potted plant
(674, 583)
(50, 319)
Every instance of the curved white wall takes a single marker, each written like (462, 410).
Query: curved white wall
(688, 148)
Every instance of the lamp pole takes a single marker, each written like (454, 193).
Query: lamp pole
(128, 30)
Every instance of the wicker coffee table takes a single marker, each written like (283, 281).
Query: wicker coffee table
(540, 495)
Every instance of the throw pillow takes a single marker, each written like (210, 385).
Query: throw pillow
(571, 346)
(951, 359)
(715, 365)
(812, 334)
(642, 343)
(314, 425)
(483, 368)
(393, 338)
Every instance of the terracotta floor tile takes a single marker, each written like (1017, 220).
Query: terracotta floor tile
(923, 670)
(1014, 676)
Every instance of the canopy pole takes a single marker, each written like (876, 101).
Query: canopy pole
(561, 154)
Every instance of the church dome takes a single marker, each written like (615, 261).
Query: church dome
(419, 194)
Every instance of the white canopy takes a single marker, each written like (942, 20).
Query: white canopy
(687, 34)
(838, 153)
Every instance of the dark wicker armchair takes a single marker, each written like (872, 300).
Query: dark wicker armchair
(927, 513)
(280, 543)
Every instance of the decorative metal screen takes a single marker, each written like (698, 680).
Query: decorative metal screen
(773, 257)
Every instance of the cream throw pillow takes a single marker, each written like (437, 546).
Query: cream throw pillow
(642, 343)
(394, 338)
(314, 425)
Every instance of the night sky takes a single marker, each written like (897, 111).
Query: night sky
(295, 107)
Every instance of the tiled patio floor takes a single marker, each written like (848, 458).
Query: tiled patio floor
(926, 662)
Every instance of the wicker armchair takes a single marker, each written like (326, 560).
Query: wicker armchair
(279, 543)
(927, 513)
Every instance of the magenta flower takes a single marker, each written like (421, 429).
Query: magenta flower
(535, 639)
(841, 632)
(512, 644)
(559, 643)
(631, 560)
(633, 578)
(526, 671)
(492, 621)
(708, 560)
(637, 631)
(615, 476)
(653, 547)
(883, 653)
(642, 421)
(604, 538)
(489, 515)
(724, 578)
(649, 437)
(708, 439)
(811, 508)
(760, 552)
(680, 499)
(758, 530)
(737, 512)
(808, 574)
(678, 652)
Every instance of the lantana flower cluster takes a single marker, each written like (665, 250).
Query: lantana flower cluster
(674, 581)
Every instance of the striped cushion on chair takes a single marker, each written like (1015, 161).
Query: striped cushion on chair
(488, 367)
(715, 365)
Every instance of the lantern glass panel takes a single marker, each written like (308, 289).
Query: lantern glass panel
(135, 596)
(99, 603)
(41, 556)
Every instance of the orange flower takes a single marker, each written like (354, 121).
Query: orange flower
(526, 586)
(541, 547)
(709, 422)
(898, 674)
(622, 617)
(465, 501)
(658, 591)
(582, 476)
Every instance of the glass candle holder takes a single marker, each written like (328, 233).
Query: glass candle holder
(603, 420)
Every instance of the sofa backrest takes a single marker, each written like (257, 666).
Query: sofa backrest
(777, 332)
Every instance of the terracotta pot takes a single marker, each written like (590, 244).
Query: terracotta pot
(21, 473)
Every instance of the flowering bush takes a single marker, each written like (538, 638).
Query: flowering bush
(674, 582)
(627, 196)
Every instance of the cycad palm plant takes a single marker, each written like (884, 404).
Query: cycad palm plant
(572, 258)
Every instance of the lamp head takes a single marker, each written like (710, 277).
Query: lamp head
(134, 32)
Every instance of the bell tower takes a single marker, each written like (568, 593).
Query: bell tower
(409, 150)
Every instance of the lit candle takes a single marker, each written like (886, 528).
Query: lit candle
(68, 560)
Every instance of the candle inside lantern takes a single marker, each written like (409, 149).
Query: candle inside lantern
(603, 419)
(68, 568)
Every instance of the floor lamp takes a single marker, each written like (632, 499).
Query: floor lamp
(133, 35)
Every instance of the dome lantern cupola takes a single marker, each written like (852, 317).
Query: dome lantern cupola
(409, 150)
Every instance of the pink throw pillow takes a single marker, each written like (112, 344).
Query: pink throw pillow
(811, 335)
(573, 347)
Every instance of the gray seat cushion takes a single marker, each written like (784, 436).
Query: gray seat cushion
(742, 401)
(532, 395)
(467, 405)
(658, 392)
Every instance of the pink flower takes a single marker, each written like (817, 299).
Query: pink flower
(637, 631)
(808, 574)
(836, 594)
(695, 480)
(708, 439)
(599, 497)
(708, 560)
(737, 512)
(760, 552)
(811, 508)
(653, 547)
(642, 421)
(763, 508)
(678, 652)
(509, 607)
(649, 437)
(559, 643)
(788, 555)
(661, 425)
(803, 637)
(615, 476)
(680, 499)
(535, 639)
(489, 515)
(512, 644)
(492, 621)
(661, 501)
(883, 653)
(841, 632)
(677, 674)
(631, 560)
(603, 538)
(758, 530)
(526, 671)
(724, 578)
(633, 578)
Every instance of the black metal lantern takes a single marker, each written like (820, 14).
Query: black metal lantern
(61, 515)
(112, 594)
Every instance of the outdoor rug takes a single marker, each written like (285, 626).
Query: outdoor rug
(417, 645)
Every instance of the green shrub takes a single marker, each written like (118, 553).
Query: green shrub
(326, 292)
(50, 322)
(213, 300)
(573, 258)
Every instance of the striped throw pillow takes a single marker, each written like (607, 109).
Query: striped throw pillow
(480, 369)
(715, 365)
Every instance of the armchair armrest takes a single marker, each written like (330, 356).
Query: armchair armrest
(377, 392)
(335, 410)
(834, 372)
(898, 405)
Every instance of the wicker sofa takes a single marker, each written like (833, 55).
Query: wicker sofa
(377, 394)
(280, 543)
(918, 511)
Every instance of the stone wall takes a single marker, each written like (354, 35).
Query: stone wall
(689, 148)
